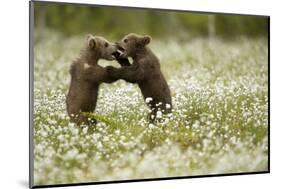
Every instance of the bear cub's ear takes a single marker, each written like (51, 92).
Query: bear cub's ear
(91, 41)
(145, 40)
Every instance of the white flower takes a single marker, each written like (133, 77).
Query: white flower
(44, 134)
(105, 139)
(71, 124)
(85, 130)
(159, 104)
(168, 106)
(74, 130)
(148, 99)
(196, 124)
(151, 126)
(99, 145)
(71, 154)
(96, 137)
(60, 137)
(159, 114)
(117, 132)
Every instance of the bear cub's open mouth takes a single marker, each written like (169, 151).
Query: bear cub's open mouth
(119, 52)
(116, 54)
(121, 49)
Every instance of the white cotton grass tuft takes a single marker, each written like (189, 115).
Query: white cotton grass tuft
(148, 100)
(151, 126)
(168, 106)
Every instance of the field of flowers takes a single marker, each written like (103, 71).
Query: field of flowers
(219, 122)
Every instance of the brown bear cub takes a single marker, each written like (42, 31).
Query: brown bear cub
(145, 71)
(86, 76)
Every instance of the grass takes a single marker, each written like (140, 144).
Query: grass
(219, 122)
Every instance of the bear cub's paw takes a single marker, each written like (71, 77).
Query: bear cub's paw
(112, 71)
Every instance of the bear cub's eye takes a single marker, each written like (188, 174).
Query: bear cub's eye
(125, 40)
(106, 44)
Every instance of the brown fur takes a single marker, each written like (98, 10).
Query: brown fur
(145, 71)
(86, 76)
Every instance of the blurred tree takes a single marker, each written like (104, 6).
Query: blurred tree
(211, 25)
(115, 22)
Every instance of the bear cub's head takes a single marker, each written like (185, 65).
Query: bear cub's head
(131, 43)
(100, 47)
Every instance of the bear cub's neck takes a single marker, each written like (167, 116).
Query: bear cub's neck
(90, 56)
(143, 52)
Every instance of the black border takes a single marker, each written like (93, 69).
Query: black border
(268, 95)
(31, 104)
(149, 179)
(31, 158)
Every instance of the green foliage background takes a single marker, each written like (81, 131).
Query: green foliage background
(117, 21)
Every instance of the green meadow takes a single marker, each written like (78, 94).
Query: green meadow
(219, 122)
